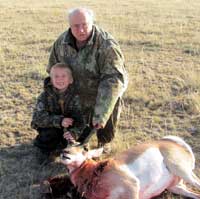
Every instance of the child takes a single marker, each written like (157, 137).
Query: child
(57, 115)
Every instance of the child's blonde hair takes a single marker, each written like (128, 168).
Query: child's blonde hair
(64, 66)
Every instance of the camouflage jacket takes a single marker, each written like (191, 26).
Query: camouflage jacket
(52, 107)
(98, 70)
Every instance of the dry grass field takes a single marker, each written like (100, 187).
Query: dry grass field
(161, 43)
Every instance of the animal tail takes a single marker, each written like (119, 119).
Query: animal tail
(181, 142)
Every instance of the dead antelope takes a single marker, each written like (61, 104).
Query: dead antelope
(141, 172)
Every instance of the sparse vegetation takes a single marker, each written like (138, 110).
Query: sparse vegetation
(161, 43)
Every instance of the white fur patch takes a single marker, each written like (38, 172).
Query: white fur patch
(150, 171)
(181, 142)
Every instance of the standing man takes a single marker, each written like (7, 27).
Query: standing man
(97, 65)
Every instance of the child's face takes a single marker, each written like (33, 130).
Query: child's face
(60, 78)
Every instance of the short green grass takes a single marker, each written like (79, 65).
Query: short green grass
(161, 43)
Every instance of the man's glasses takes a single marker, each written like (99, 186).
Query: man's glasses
(78, 26)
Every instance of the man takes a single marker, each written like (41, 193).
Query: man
(97, 64)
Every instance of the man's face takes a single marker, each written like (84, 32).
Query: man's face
(81, 26)
(60, 78)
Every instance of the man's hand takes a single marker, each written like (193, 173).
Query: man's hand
(97, 125)
(66, 122)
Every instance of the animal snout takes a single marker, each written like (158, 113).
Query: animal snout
(64, 154)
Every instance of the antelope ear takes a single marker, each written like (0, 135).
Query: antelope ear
(94, 153)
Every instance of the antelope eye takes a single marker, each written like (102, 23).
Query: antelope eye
(85, 148)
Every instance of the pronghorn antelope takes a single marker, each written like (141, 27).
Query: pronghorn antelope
(141, 172)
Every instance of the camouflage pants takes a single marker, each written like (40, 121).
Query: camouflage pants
(106, 134)
(50, 139)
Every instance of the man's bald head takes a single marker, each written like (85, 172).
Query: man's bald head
(81, 23)
(89, 14)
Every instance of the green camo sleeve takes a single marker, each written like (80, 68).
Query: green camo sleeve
(53, 58)
(113, 83)
(42, 118)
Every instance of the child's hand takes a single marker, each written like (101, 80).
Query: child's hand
(66, 122)
(68, 136)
